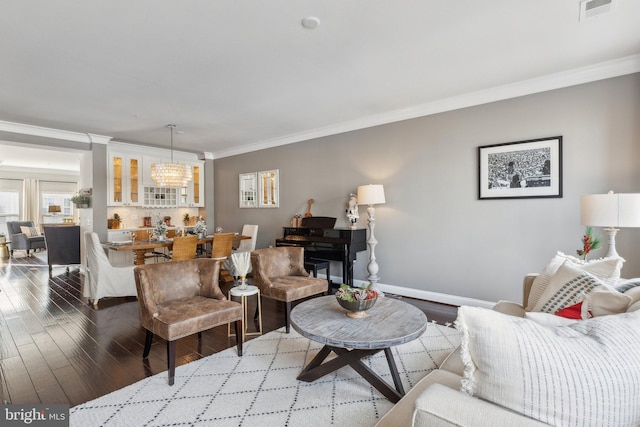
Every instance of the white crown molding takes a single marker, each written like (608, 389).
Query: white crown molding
(206, 156)
(577, 76)
(65, 135)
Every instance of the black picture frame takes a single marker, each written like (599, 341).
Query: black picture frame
(521, 169)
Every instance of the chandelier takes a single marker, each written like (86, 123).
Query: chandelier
(172, 175)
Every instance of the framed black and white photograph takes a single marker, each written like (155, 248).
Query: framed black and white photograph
(521, 169)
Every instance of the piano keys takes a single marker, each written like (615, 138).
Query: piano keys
(321, 241)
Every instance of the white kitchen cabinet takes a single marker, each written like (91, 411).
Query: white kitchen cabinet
(193, 194)
(124, 179)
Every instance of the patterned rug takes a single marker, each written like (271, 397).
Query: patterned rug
(260, 388)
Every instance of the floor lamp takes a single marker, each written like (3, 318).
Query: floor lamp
(371, 195)
(610, 211)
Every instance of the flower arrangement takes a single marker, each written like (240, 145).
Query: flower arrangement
(200, 227)
(160, 229)
(349, 294)
(589, 243)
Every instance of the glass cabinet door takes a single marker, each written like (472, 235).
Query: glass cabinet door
(134, 181)
(116, 179)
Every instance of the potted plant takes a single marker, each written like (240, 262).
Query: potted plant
(186, 218)
(115, 222)
(356, 300)
(81, 201)
(160, 230)
(200, 228)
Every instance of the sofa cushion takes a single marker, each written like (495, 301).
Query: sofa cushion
(605, 269)
(30, 231)
(624, 285)
(585, 373)
(604, 300)
(568, 286)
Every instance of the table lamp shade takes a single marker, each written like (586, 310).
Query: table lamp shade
(610, 210)
(54, 209)
(371, 194)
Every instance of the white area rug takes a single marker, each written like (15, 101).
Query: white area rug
(260, 388)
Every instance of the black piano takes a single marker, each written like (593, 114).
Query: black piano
(322, 241)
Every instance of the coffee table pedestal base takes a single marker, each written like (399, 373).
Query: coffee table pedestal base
(316, 369)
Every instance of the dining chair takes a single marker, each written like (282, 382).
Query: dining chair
(102, 278)
(220, 250)
(184, 248)
(141, 235)
(247, 245)
(172, 312)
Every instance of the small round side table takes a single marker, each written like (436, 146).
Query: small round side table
(4, 251)
(243, 294)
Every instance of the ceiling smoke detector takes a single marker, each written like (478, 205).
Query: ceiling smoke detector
(310, 22)
(593, 8)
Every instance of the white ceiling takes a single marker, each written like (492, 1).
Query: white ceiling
(238, 75)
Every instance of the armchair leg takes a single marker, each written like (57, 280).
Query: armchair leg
(199, 336)
(171, 360)
(287, 315)
(147, 344)
(239, 329)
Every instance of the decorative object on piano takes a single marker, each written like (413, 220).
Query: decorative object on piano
(352, 210)
(356, 300)
(371, 195)
(307, 214)
(160, 230)
(269, 189)
(200, 228)
(296, 221)
(241, 264)
(248, 190)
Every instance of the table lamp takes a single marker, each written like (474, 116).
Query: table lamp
(371, 195)
(610, 211)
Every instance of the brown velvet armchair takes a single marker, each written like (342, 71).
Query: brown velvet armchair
(181, 298)
(280, 275)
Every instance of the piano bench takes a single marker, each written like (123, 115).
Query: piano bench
(313, 265)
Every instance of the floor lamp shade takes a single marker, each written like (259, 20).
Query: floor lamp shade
(371, 194)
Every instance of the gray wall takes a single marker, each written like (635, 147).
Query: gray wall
(434, 234)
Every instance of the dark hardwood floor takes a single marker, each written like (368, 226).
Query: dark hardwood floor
(56, 348)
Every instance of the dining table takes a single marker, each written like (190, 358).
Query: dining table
(141, 247)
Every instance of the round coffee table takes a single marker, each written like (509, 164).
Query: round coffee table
(388, 323)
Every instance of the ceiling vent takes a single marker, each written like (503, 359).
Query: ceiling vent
(593, 8)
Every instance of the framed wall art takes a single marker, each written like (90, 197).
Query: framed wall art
(521, 169)
(268, 189)
(248, 190)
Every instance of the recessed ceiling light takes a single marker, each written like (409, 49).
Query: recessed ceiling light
(310, 22)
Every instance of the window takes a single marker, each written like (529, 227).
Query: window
(9, 208)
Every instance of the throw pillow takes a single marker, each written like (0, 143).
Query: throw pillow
(583, 374)
(603, 300)
(605, 269)
(572, 312)
(548, 319)
(29, 231)
(624, 285)
(568, 286)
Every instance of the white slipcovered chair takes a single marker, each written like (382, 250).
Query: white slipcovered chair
(102, 278)
(244, 246)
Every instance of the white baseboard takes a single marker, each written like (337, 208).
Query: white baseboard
(423, 295)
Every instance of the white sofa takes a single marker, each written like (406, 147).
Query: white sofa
(436, 400)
